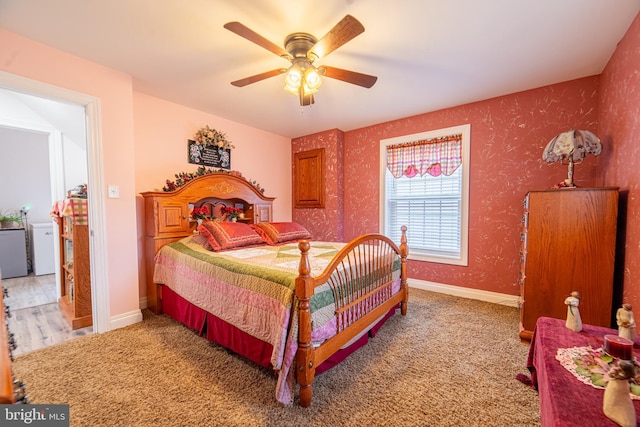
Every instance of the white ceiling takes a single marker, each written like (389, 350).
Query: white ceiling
(427, 54)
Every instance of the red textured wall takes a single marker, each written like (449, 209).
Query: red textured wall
(324, 224)
(619, 127)
(508, 135)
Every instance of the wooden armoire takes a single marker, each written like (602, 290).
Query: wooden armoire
(568, 244)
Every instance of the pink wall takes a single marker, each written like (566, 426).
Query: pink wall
(38, 62)
(144, 143)
(161, 131)
(325, 224)
(508, 135)
(619, 127)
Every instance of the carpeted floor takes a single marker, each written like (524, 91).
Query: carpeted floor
(451, 361)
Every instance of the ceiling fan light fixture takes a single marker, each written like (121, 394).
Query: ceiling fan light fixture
(312, 79)
(293, 80)
(302, 79)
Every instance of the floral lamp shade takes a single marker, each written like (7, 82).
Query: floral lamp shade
(571, 147)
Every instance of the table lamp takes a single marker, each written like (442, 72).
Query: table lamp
(571, 147)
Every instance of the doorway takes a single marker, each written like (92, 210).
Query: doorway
(97, 229)
(30, 263)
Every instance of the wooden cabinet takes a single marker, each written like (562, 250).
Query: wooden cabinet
(167, 215)
(308, 179)
(262, 213)
(568, 244)
(75, 271)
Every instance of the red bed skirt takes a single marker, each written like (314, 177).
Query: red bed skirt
(217, 330)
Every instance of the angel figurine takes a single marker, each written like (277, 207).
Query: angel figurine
(626, 322)
(616, 403)
(574, 322)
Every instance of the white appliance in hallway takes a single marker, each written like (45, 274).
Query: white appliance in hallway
(42, 248)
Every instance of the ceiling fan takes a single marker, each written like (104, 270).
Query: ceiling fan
(302, 49)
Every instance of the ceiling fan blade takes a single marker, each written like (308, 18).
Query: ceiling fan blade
(256, 38)
(352, 77)
(253, 79)
(345, 30)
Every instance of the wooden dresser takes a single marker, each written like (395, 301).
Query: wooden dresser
(167, 215)
(568, 244)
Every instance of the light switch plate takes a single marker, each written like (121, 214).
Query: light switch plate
(114, 191)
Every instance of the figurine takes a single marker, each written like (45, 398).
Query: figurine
(617, 404)
(574, 322)
(626, 322)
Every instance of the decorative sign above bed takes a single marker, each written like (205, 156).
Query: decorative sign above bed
(210, 147)
(209, 155)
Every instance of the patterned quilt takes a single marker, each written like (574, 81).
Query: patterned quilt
(253, 289)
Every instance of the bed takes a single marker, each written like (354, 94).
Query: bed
(284, 301)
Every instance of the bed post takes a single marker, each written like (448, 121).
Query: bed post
(305, 368)
(404, 252)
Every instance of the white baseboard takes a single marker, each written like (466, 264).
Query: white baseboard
(458, 291)
(125, 319)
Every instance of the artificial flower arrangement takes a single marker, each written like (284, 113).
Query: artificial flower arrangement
(200, 212)
(233, 213)
(183, 177)
(595, 367)
(211, 137)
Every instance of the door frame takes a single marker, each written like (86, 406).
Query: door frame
(96, 195)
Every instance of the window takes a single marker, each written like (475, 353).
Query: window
(429, 193)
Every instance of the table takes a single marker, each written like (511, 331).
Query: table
(564, 400)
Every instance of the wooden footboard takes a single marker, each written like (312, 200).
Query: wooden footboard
(361, 278)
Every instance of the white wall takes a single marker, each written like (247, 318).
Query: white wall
(60, 151)
(66, 118)
(24, 173)
(74, 163)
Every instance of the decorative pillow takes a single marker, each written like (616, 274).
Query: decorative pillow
(212, 243)
(280, 232)
(229, 235)
(201, 239)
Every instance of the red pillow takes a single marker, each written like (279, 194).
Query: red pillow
(280, 232)
(202, 240)
(229, 235)
(212, 243)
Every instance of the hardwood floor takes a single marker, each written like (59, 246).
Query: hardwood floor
(36, 321)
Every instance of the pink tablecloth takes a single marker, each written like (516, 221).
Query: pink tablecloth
(75, 208)
(565, 401)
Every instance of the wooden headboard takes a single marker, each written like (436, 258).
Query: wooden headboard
(167, 216)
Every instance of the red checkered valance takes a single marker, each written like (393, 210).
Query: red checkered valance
(433, 156)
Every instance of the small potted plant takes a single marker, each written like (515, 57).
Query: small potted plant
(9, 219)
(232, 213)
(200, 213)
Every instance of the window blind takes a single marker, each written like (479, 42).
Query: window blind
(431, 208)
